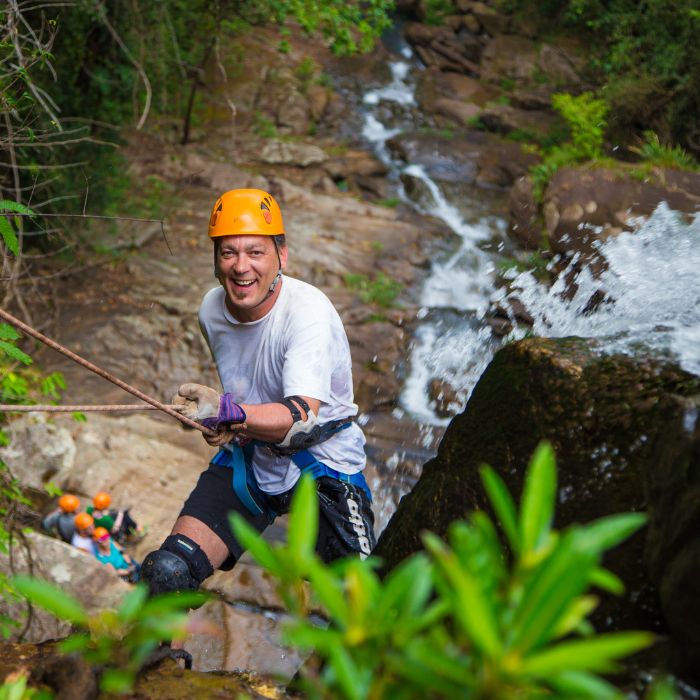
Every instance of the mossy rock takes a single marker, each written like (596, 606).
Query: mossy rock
(625, 431)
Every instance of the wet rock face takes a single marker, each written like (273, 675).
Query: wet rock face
(63, 566)
(627, 438)
(472, 158)
(582, 206)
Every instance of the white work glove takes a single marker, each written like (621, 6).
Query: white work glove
(197, 402)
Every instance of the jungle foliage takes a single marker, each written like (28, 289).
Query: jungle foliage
(467, 618)
(75, 73)
(646, 54)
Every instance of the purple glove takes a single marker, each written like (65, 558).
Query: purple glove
(229, 412)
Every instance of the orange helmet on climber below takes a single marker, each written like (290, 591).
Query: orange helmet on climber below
(68, 503)
(101, 500)
(246, 212)
(100, 533)
(83, 521)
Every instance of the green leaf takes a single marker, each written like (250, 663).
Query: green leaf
(597, 654)
(473, 609)
(303, 518)
(583, 686)
(251, 540)
(15, 207)
(607, 581)
(174, 602)
(52, 599)
(549, 593)
(15, 353)
(577, 612)
(8, 332)
(503, 505)
(406, 590)
(8, 235)
(328, 589)
(76, 642)
(537, 505)
(116, 681)
(347, 673)
(606, 533)
(132, 603)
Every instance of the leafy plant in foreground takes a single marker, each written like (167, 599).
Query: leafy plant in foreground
(117, 642)
(465, 619)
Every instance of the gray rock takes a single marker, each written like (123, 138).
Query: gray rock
(64, 566)
(290, 153)
(627, 438)
(39, 451)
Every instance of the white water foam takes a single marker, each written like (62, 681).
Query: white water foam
(652, 294)
(398, 90)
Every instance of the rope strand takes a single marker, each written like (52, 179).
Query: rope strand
(15, 408)
(102, 373)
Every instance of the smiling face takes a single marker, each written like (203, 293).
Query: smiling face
(246, 267)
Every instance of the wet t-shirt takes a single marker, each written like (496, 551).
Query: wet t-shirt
(298, 348)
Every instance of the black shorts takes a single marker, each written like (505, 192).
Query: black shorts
(345, 524)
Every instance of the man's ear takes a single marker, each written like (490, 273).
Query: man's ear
(283, 251)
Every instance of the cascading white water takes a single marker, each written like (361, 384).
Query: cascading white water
(652, 294)
(446, 348)
(650, 287)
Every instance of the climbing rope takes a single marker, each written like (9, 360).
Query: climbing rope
(166, 408)
(64, 408)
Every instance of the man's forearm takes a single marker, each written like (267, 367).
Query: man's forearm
(270, 422)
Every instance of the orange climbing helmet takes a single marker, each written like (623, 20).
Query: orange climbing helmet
(101, 500)
(83, 521)
(68, 503)
(246, 212)
(100, 533)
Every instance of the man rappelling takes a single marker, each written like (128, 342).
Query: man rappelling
(284, 363)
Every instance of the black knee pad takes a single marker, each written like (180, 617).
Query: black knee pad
(179, 565)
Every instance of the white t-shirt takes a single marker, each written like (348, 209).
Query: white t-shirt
(298, 348)
(84, 543)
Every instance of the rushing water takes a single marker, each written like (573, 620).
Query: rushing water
(452, 342)
(649, 290)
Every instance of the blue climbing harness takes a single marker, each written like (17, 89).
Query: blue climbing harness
(245, 485)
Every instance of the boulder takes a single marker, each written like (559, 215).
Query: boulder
(490, 19)
(627, 438)
(39, 451)
(66, 567)
(277, 152)
(504, 118)
(511, 57)
(560, 66)
(473, 157)
(582, 205)
(461, 112)
(524, 224)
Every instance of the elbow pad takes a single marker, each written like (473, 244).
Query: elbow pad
(303, 433)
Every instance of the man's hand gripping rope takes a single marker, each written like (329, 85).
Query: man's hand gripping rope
(212, 410)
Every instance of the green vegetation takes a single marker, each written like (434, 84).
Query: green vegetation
(117, 642)
(465, 618)
(646, 54)
(437, 10)
(654, 153)
(380, 291)
(264, 126)
(585, 116)
(390, 202)
(74, 76)
(15, 688)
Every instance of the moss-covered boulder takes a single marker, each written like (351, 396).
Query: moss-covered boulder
(627, 438)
